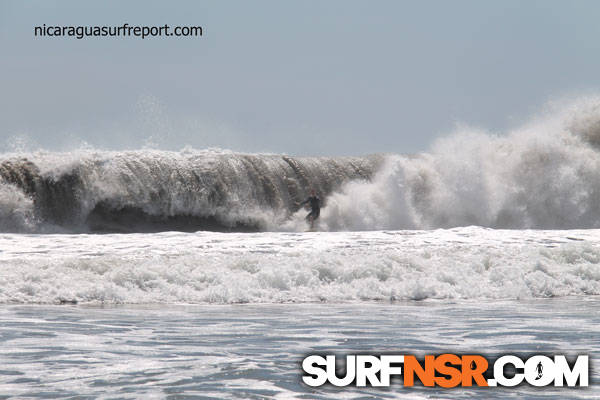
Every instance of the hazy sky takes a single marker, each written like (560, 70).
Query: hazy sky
(300, 77)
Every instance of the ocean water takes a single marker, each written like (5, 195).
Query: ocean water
(255, 351)
(231, 315)
(152, 273)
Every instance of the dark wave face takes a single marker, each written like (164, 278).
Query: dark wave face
(149, 191)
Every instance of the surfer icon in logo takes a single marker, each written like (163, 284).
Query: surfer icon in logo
(315, 207)
(539, 370)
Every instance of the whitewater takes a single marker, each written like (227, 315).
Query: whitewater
(151, 273)
(225, 268)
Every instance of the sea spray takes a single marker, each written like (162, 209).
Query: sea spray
(544, 175)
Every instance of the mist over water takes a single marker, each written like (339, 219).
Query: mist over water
(542, 175)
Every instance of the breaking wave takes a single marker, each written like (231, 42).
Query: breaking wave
(543, 175)
(151, 190)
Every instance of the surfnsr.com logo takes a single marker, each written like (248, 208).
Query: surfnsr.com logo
(445, 370)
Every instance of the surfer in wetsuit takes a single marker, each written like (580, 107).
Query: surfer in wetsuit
(315, 207)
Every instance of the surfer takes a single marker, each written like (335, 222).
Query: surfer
(315, 207)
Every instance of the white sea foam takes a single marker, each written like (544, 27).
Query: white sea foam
(543, 175)
(16, 209)
(462, 263)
